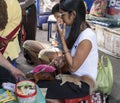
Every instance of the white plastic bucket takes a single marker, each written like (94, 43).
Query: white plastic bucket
(26, 91)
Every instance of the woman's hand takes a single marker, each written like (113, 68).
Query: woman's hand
(61, 26)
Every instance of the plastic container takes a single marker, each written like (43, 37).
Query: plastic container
(26, 91)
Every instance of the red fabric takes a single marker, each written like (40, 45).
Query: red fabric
(77, 100)
(8, 38)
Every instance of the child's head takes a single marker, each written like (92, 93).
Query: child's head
(3, 14)
(55, 10)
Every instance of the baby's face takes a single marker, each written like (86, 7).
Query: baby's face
(57, 15)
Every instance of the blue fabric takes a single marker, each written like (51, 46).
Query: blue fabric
(68, 28)
(89, 4)
(14, 63)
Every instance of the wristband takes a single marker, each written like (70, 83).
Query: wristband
(66, 51)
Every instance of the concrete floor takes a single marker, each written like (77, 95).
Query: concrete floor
(115, 95)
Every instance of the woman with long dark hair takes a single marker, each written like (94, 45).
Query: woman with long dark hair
(80, 52)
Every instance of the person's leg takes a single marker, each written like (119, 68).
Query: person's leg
(57, 92)
(31, 50)
(22, 32)
(31, 23)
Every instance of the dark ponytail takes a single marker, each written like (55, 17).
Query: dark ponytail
(79, 23)
(3, 14)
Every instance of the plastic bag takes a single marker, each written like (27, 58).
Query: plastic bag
(105, 76)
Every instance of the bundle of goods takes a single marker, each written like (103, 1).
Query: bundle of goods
(42, 72)
(98, 8)
(98, 97)
(104, 21)
(113, 9)
(7, 96)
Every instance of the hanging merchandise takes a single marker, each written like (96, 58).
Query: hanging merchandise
(113, 9)
(89, 4)
(98, 8)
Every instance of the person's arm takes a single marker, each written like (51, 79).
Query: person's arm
(6, 64)
(61, 33)
(27, 3)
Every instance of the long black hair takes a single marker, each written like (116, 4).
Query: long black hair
(79, 23)
(3, 14)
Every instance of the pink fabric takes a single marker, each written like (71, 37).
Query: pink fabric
(44, 68)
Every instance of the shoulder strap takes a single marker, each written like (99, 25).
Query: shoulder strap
(8, 38)
(11, 34)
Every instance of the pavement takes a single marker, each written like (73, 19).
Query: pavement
(42, 37)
